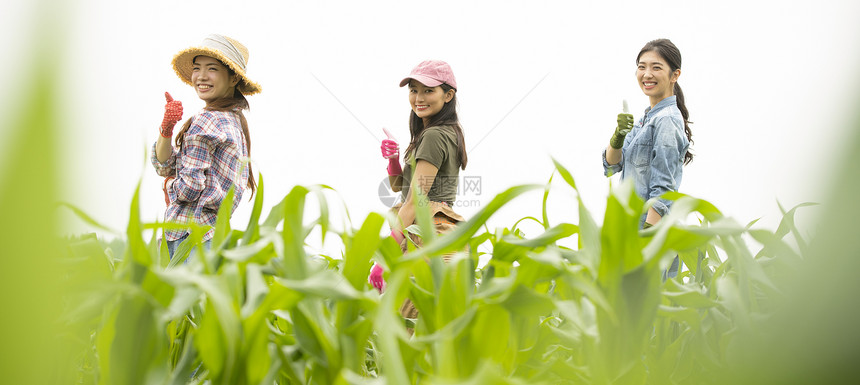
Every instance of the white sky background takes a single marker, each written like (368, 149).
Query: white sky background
(769, 86)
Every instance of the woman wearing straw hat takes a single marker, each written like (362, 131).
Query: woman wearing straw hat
(212, 146)
(654, 150)
(436, 147)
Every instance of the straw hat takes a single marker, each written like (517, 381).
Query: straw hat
(230, 52)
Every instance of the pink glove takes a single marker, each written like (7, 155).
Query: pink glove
(391, 151)
(172, 114)
(398, 236)
(375, 278)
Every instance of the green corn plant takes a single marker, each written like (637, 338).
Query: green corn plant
(258, 308)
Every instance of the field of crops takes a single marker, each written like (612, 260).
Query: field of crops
(258, 308)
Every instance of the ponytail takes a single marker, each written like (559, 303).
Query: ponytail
(679, 100)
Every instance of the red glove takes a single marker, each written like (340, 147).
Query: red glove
(391, 151)
(164, 188)
(375, 278)
(172, 114)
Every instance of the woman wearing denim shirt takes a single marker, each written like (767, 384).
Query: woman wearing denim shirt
(654, 150)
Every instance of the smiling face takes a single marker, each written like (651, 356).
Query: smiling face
(427, 101)
(212, 79)
(655, 77)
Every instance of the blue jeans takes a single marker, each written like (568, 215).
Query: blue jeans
(173, 245)
(672, 271)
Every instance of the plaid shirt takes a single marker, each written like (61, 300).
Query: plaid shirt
(207, 165)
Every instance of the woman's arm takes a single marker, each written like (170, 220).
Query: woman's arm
(613, 155)
(163, 149)
(395, 182)
(653, 217)
(166, 167)
(425, 173)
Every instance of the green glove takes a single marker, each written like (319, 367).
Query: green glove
(625, 124)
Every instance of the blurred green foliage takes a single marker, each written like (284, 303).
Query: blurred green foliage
(31, 253)
(259, 308)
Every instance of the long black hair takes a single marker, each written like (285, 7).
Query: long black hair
(446, 116)
(669, 52)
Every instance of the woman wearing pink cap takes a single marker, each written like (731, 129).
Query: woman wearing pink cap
(207, 159)
(437, 148)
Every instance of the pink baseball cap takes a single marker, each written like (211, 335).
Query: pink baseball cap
(431, 73)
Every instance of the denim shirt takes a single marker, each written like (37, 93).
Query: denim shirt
(653, 153)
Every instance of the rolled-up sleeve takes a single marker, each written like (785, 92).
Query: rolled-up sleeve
(611, 169)
(666, 161)
(166, 168)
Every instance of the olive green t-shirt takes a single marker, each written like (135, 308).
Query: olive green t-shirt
(439, 147)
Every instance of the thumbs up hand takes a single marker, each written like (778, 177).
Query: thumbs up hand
(172, 114)
(625, 124)
(390, 148)
(391, 151)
